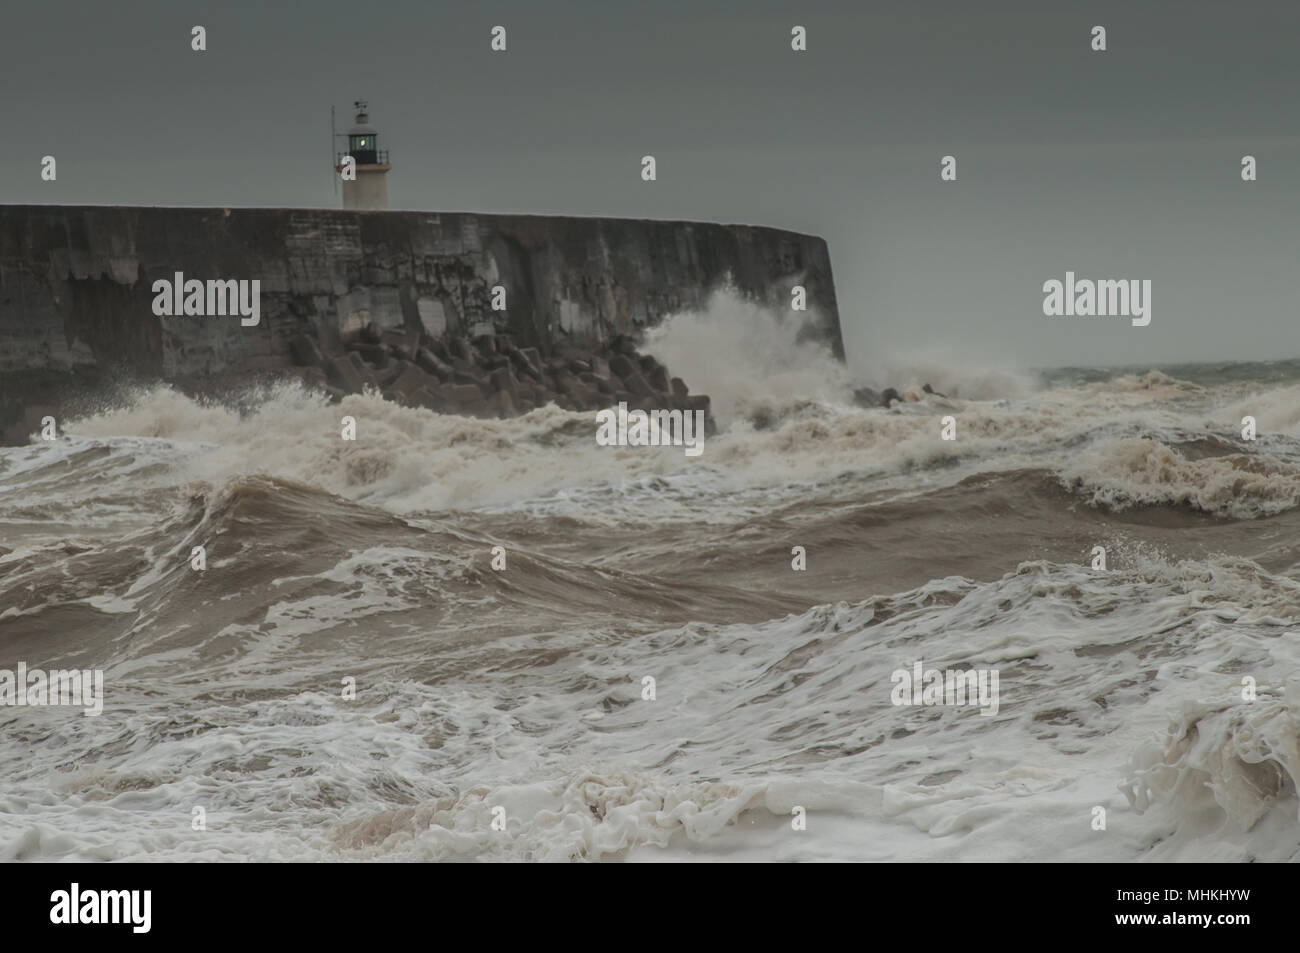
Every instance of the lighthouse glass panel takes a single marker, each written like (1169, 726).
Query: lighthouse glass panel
(362, 148)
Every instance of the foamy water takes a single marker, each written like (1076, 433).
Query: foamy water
(521, 693)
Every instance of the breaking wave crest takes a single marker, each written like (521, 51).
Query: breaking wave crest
(1141, 472)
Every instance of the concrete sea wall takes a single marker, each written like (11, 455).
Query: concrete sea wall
(76, 300)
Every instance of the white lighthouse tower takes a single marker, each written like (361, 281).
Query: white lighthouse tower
(370, 188)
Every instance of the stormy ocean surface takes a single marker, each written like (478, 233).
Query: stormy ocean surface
(523, 689)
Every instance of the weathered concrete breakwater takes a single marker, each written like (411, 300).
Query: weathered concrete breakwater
(399, 300)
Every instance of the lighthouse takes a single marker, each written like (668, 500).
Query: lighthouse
(370, 187)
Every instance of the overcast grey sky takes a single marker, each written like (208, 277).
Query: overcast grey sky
(1122, 164)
